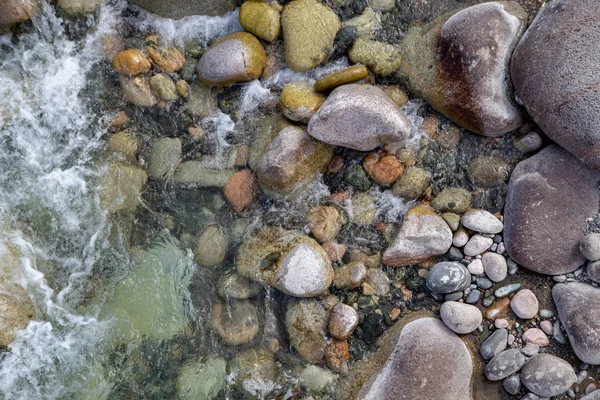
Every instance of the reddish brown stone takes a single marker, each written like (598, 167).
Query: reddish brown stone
(241, 190)
(337, 354)
(334, 250)
(384, 169)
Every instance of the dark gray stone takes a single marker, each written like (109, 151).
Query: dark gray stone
(459, 64)
(177, 9)
(504, 364)
(583, 328)
(547, 375)
(473, 297)
(448, 277)
(494, 344)
(512, 384)
(555, 70)
(550, 197)
(429, 361)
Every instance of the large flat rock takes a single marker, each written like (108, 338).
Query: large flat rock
(550, 197)
(556, 73)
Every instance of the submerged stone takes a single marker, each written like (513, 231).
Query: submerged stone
(153, 300)
(360, 117)
(286, 260)
(309, 28)
(237, 57)
(202, 380)
(121, 188)
(177, 9)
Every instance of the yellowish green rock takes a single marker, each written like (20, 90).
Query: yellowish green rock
(381, 58)
(261, 20)
(299, 101)
(309, 29)
(124, 145)
(348, 75)
(121, 188)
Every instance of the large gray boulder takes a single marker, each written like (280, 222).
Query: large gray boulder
(428, 361)
(177, 9)
(459, 64)
(555, 70)
(578, 306)
(550, 197)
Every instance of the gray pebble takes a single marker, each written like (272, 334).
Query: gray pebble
(558, 334)
(530, 349)
(448, 277)
(481, 221)
(453, 296)
(508, 289)
(484, 283)
(488, 301)
(460, 317)
(504, 364)
(473, 297)
(590, 246)
(593, 271)
(495, 266)
(532, 141)
(512, 384)
(455, 254)
(494, 344)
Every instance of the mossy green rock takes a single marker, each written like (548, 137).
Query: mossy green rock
(459, 63)
(291, 161)
(202, 380)
(121, 188)
(381, 58)
(488, 171)
(413, 182)
(452, 199)
(356, 176)
(309, 29)
(165, 156)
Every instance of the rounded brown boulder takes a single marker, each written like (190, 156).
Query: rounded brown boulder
(555, 70)
(550, 198)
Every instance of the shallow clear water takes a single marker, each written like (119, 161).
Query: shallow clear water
(90, 338)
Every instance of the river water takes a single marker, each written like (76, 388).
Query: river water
(91, 337)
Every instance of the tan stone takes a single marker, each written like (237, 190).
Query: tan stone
(260, 19)
(125, 145)
(324, 223)
(16, 11)
(299, 102)
(381, 58)
(309, 29)
(348, 75)
(131, 62)
(169, 59)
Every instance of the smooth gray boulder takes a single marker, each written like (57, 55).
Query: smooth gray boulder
(547, 375)
(177, 9)
(360, 117)
(429, 361)
(578, 306)
(555, 70)
(459, 64)
(550, 198)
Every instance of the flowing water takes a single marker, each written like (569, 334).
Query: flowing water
(90, 339)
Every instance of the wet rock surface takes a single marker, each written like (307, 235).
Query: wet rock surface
(359, 117)
(442, 63)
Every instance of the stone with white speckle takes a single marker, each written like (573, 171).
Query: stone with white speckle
(448, 277)
(547, 375)
(343, 320)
